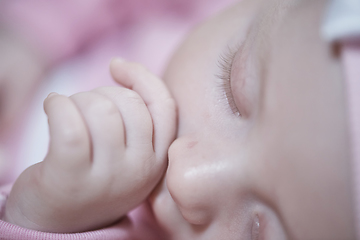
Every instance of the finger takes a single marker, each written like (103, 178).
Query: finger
(105, 126)
(135, 115)
(69, 146)
(156, 97)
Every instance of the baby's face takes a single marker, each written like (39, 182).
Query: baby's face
(262, 150)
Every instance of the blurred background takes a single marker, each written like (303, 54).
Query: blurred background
(65, 46)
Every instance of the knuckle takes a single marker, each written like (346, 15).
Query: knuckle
(149, 166)
(133, 96)
(102, 107)
(148, 171)
(73, 136)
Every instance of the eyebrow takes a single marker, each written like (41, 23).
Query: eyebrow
(264, 38)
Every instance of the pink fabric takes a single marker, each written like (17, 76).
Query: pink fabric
(61, 28)
(351, 62)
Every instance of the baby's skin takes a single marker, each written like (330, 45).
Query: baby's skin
(108, 150)
(261, 149)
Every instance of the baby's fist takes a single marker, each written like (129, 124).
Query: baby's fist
(108, 150)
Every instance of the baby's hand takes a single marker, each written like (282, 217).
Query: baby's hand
(108, 150)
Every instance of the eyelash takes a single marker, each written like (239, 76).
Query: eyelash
(225, 63)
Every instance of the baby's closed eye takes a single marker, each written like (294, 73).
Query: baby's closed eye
(238, 86)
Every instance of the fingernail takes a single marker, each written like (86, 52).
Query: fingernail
(52, 94)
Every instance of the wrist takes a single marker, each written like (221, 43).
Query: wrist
(13, 214)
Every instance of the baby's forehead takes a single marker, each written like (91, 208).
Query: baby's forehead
(274, 20)
(271, 16)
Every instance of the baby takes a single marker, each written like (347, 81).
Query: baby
(262, 148)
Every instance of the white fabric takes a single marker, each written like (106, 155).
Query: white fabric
(342, 20)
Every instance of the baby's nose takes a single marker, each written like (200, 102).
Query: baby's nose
(195, 179)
